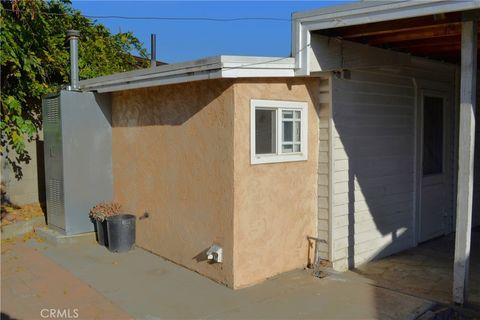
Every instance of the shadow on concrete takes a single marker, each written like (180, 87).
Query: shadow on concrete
(427, 270)
(4, 316)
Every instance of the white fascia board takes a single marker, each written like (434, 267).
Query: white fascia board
(268, 62)
(211, 68)
(259, 67)
(145, 74)
(153, 82)
(340, 9)
(257, 73)
(247, 67)
(362, 13)
(149, 76)
(167, 68)
(415, 9)
(399, 9)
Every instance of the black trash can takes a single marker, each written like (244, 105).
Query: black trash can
(101, 229)
(121, 232)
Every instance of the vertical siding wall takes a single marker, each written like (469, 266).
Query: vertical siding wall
(373, 167)
(374, 118)
(324, 176)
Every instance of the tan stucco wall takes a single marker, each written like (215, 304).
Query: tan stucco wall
(275, 204)
(173, 158)
(182, 154)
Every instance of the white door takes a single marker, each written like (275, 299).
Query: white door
(435, 168)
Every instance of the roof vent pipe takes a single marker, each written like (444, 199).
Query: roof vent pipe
(72, 37)
(153, 46)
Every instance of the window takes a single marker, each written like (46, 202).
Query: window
(278, 131)
(432, 135)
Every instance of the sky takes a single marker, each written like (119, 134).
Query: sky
(179, 41)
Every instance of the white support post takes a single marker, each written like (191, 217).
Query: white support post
(465, 160)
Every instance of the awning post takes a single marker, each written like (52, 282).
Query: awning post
(465, 160)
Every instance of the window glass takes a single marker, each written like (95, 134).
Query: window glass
(296, 126)
(432, 135)
(265, 131)
(286, 148)
(291, 128)
(287, 131)
(278, 131)
(287, 114)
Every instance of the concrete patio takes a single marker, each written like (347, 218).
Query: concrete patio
(427, 270)
(141, 285)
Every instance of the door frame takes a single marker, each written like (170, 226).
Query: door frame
(433, 89)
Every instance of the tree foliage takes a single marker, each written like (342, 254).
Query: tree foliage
(34, 59)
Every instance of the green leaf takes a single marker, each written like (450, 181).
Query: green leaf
(34, 60)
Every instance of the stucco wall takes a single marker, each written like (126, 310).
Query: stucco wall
(275, 204)
(173, 158)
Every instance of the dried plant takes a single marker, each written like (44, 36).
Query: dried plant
(104, 209)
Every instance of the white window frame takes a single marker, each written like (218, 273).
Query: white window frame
(279, 106)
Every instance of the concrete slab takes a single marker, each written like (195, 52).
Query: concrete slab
(149, 287)
(427, 271)
(33, 286)
(20, 228)
(56, 238)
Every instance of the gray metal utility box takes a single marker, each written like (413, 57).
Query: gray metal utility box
(78, 157)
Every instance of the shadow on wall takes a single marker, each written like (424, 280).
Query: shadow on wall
(171, 109)
(104, 107)
(172, 157)
(27, 185)
(374, 165)
(476, 172)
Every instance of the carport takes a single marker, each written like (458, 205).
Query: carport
(444, 31)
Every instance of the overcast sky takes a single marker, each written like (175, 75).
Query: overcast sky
(187, 40)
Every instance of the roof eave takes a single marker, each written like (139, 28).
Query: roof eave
(211, 68)
(377, 11)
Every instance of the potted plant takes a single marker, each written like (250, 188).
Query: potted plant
(99, 214)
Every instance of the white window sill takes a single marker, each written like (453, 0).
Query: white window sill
(274, 158)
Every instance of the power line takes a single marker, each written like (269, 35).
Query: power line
(166, 18)
(198, 19)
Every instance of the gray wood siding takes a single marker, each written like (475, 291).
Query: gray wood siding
(373, 169)
(374, 161)
(323, 169)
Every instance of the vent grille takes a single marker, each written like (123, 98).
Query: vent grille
(53, 110)
(55, 197)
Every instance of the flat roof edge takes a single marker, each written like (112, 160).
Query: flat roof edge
(202, 69)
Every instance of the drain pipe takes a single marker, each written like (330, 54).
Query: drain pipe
(72, 37)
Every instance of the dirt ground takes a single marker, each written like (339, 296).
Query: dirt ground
(11, 213)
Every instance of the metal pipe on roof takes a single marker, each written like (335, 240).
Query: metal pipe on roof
(72, 37)
(153, 45)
